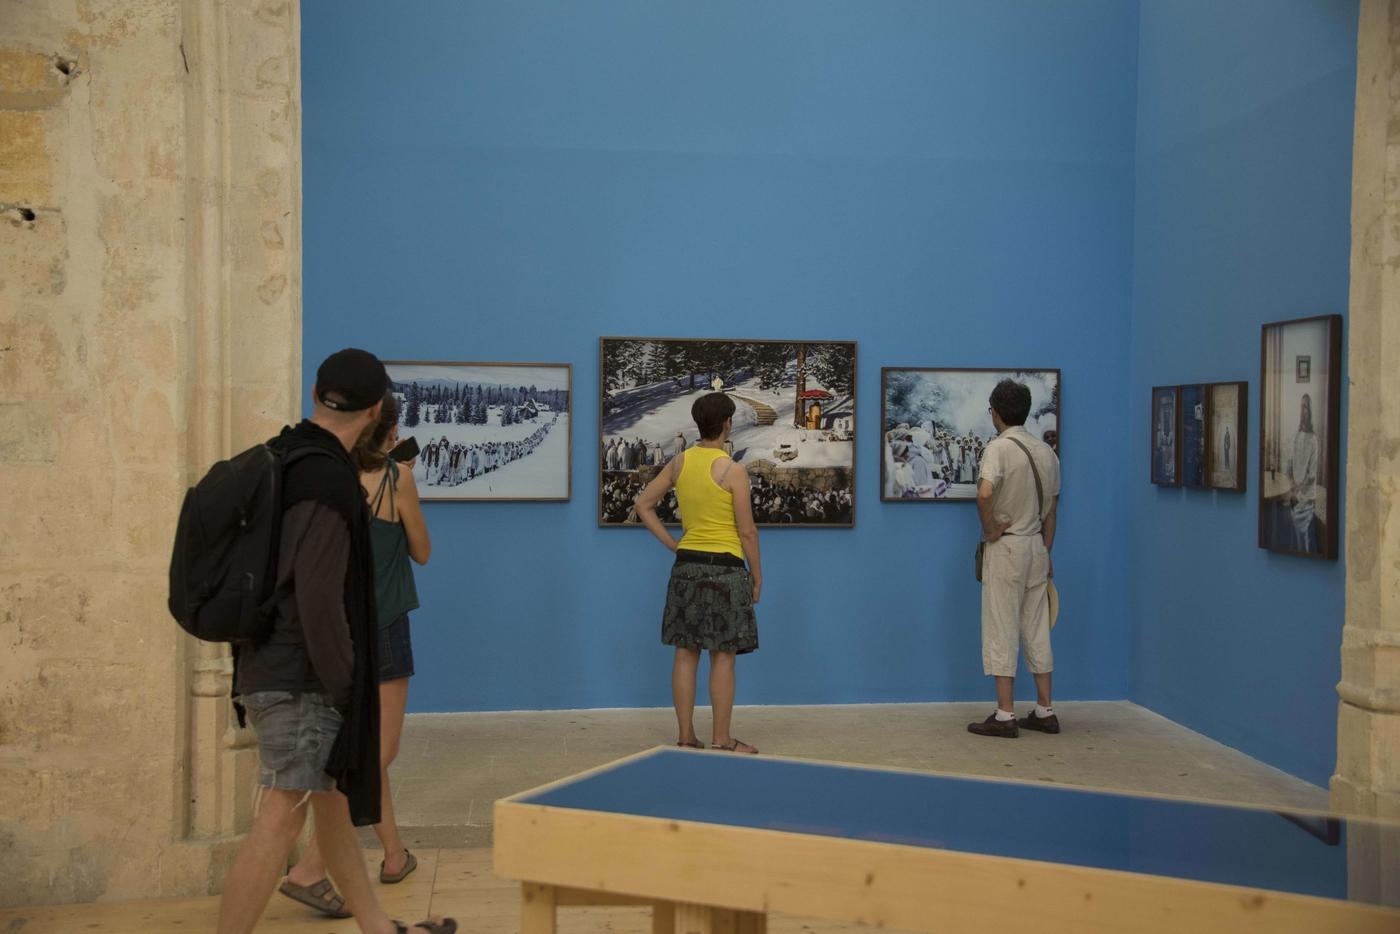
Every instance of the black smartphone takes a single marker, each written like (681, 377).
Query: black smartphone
(405, 451)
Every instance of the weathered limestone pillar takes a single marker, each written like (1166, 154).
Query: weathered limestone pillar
(150, 322)
(1367, 780)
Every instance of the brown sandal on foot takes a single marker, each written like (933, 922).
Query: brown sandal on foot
(733, 746)
(410, 863)
(695, 745)
(445, 926)
(321, 896)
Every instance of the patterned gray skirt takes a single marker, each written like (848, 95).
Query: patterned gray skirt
(710, 607)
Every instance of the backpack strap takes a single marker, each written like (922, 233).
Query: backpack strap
(1039, 492)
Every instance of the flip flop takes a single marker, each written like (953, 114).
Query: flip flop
(410, 863)
(321, 896)
(695, 745)
(445, 926)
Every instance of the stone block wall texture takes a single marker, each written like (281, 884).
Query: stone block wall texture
(150, 323)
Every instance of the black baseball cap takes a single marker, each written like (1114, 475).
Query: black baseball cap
(356, 377)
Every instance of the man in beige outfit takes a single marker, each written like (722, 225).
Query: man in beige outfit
(1017, 494)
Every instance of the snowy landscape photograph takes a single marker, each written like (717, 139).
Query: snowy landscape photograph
(487, 431)
(936, 423)
(793, 430)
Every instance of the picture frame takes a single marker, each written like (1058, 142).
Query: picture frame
(1163, 435)
(1195, 413)
(794, 424)
(935, 423)
(1300, 382)
(1226, 450)
(487, 431)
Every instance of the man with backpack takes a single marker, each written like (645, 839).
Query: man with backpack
(309, 684)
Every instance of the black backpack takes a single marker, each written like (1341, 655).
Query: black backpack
(223, 572)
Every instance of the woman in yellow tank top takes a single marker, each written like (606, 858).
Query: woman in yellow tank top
(711, 595)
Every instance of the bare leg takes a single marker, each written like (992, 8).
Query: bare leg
(341, 848)
(722, 698)
(683, 691)
(260, 861)
(1006, 697)
(393, 699)
(311, 868)
(1042, 690)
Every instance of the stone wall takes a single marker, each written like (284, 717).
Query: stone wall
(1367, 780)
(149, 323)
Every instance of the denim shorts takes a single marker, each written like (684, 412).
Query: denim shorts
(295, 735)
(395, 650)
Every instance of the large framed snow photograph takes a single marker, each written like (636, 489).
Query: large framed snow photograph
(487, 431)
(935, 424)
(794, 422)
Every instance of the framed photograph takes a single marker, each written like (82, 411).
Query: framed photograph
(1299, 413)
(487, 431)
(1166, 427)
(1195, 404)
(1226, 413)
(794, 422)
(936, 422)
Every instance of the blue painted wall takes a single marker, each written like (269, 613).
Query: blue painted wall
(1242, 216)
(947, 183)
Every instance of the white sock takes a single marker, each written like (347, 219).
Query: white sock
(1043, 712)
(1003, 716)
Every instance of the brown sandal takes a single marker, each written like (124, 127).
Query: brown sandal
(321, 896)
(445, 926)
(410, 863)
(695, 745)
(733, 746)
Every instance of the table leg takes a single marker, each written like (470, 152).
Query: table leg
(663, 918)
(537, 912)
(694, 919)
(751, 922)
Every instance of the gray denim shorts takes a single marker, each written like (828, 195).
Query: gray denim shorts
(295, 734)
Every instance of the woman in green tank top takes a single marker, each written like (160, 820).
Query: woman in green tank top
(711, 594)
(398, 534)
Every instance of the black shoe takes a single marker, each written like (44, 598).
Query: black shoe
(994, 727)
(1050, 724)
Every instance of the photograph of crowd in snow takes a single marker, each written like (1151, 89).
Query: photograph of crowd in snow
(794, 422)
(937, 422)
(486, 431)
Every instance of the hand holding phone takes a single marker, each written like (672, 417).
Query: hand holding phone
(405, 451)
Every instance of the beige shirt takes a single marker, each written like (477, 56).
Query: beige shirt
(1006, 468)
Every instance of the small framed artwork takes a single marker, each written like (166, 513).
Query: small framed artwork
(1226, 414)
(1299, 414)
(487, 431)
(1166, 426)
(1195, 404)
(935, 424)
(793, 430)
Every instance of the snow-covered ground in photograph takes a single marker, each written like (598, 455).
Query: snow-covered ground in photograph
(660, 412)
(544, 472)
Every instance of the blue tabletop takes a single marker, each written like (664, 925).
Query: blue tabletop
(1304, 854)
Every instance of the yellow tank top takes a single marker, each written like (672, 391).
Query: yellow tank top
(707, 509)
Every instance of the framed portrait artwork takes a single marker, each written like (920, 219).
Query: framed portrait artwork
(1195, 403)
(935, 423)
(1299, 412)
(487, 431)
(1226, 413)
(793, 427)
(1166, 427)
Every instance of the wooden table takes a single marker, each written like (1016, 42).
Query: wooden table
(714, 842)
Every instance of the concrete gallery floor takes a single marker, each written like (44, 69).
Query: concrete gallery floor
(453, 766)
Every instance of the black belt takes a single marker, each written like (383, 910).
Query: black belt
(686, 556)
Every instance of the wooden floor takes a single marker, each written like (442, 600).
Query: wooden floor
(451, 882)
